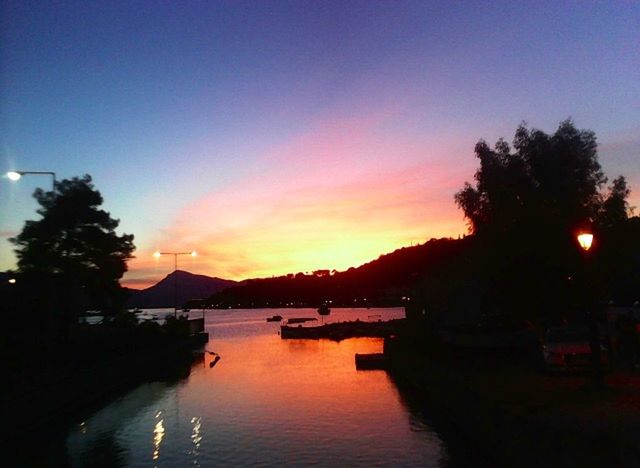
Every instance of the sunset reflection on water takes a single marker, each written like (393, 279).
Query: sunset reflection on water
(267, 401)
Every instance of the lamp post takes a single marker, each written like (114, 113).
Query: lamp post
(17, 175)
(585, 240)
(175, 275)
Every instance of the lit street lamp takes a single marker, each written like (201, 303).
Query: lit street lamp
(16, 175)
(157, 254)
(585, 240)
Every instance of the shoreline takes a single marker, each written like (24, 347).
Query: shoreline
(56, 395)
(522, 418)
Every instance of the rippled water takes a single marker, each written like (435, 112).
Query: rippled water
(267, 401)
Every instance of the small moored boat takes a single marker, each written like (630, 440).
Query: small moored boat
(371, 361)
(274, 318)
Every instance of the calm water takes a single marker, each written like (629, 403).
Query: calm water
(266, 402)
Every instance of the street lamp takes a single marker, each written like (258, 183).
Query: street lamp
(158, 254)
(16, 175)
(585, 240)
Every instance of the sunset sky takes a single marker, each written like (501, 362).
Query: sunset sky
(277, 137)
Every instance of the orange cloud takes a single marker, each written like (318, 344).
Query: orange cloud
(243, 233)
(333, 198)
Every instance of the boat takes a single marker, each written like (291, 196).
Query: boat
(295, 320)
(324, 310)
(274, 318)
(371, 361)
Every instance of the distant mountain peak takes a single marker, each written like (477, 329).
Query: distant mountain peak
(189, 286)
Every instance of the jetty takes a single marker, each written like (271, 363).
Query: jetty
(342, 330)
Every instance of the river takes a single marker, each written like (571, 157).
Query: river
(266, 402)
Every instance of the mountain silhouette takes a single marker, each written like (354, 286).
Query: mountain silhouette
(385, 281)
(189, 286)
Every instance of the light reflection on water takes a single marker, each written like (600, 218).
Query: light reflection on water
(158, 435)
(267, 401)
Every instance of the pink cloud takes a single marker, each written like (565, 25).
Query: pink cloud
(337, 196)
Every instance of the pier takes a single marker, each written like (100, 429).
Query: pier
(343, 330)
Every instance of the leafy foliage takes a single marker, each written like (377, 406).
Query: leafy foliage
(615, 209)
(75, 239)
(525, 209)
(548, 181)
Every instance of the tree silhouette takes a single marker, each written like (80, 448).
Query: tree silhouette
(75, 241)
(615, 209)
(549, 181)
(524, 210)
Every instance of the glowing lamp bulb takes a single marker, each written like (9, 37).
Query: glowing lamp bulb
(14, 175)
(585, 240)
(156, 254)
(194, 254)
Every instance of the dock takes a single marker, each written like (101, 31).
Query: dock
(342, 330)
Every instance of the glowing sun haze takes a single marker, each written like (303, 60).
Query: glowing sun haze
(334, 197)
(279, 137)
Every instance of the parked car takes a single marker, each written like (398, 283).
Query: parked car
(568, 349)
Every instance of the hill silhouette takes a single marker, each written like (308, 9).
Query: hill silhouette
(386, 281)
(190, 286)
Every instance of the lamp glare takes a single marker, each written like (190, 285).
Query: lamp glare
(585, 240)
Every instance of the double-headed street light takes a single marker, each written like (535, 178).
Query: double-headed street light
(16, 175)
(158, 254)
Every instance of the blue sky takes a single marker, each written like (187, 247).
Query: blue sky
(258, 132)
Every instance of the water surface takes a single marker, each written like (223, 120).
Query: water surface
(267, 401)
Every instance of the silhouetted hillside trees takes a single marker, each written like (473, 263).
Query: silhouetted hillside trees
(521, 259)
(384, 281)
